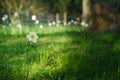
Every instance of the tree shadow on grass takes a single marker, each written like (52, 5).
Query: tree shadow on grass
(100, 61)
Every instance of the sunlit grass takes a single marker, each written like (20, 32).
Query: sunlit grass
(61, 53)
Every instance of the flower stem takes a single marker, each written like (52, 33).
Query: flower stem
(27, 61)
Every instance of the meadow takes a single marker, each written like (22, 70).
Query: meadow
(61, 53)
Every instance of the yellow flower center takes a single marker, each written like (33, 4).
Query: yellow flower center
(32, 36)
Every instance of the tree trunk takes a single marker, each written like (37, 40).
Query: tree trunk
(57, 18)
(65, 18)
(14, 20)
(86, 11)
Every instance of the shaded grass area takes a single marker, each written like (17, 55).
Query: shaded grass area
(61, 53)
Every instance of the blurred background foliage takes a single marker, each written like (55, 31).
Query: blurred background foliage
(43, 8)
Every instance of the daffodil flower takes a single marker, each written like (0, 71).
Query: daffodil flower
(32, 36)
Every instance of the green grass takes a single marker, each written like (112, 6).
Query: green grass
(61, 53)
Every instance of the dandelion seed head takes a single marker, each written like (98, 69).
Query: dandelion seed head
(53, 23)
(37, 22)
(50, 24)
(86, 25)
(19, 26)
(16, 14)
(5, 17)
(33, 17)
(41, 26)
(83, 23)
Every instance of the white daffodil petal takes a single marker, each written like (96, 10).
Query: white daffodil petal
(33, 33)
(36, 37)
(34, 41)
(27, 36)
